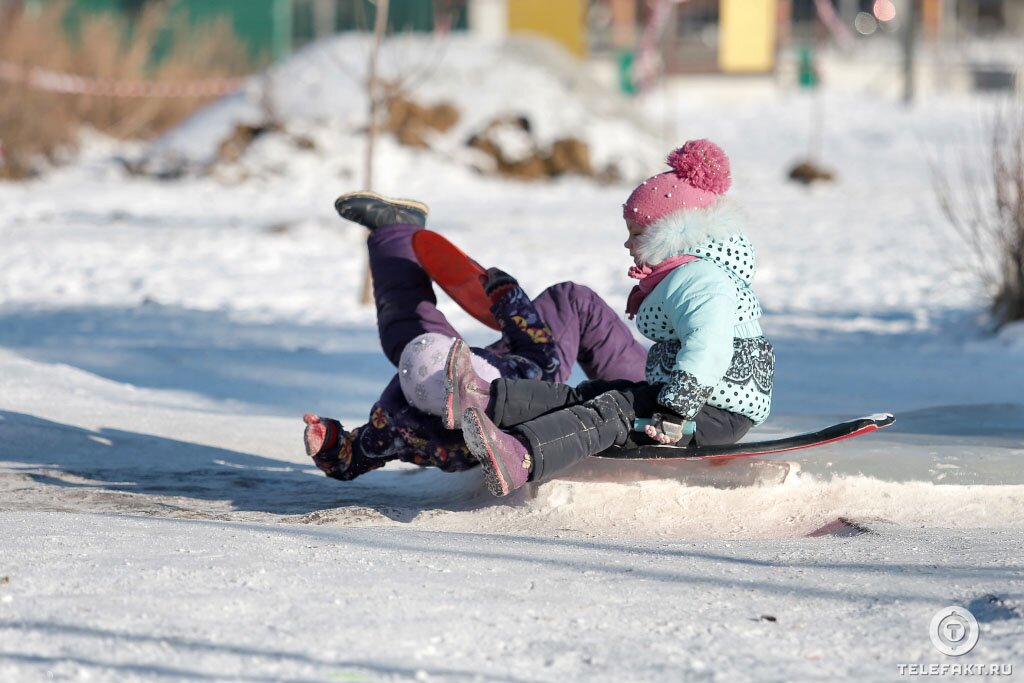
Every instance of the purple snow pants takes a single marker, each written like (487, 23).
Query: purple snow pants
(585, 329)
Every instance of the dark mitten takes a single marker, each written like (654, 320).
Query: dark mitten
(496, 283)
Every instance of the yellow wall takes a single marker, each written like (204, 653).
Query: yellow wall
(746, 38)
(561, 20)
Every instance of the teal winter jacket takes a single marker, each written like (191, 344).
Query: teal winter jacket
(704, 319)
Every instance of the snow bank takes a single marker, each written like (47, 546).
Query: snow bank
(320, 93)
(799, 506)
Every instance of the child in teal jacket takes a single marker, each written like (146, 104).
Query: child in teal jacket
(709, 373)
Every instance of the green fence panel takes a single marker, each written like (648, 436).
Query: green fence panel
(275, 27)
(403, 15)
(263, 25)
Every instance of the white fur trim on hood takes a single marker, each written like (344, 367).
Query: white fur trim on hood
(681, 231)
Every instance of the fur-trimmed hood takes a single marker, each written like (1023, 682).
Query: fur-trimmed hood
(682, 231)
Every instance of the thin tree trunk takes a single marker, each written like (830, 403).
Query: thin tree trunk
(373, 89)
(912, 16)
(325, 18)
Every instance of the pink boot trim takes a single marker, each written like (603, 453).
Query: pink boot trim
(463, 388)
(504, 458)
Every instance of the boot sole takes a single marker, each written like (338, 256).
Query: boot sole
(406, 203)
(495, 475)
(452, 413)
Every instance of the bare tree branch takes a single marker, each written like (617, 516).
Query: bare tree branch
(989, 216)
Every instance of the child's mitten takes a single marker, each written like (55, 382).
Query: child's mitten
(496, 282)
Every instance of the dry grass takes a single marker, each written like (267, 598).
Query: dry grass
(36, 123)
(990, 216)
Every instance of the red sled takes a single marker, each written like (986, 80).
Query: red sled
(454, 272)
(831, 434)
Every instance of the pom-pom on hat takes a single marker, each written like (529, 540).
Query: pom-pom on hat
(699, 175)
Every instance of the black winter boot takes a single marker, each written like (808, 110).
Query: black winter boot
(372, 210)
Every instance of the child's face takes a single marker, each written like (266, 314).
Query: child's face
(631, 243)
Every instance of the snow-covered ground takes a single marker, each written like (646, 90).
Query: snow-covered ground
(159, 341)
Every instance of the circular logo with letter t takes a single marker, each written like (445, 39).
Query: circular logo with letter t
(954, 631)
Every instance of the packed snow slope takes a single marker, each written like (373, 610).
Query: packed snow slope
(160, 340)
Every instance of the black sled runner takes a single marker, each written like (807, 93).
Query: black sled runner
(836, 432)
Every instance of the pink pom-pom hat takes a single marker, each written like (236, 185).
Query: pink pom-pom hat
(699, 175)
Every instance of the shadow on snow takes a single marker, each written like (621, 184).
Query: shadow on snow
(129, 462)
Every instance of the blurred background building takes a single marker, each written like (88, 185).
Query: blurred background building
(974, 42)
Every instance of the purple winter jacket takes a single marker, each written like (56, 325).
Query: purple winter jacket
(398, 431)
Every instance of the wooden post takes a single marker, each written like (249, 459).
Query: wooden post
(325, 18)
(931, 19)
(281, 38)
(373, 89)
(848, 11)
(623, 24)
(909, 40)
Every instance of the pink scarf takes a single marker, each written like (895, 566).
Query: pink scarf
(649, 278)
